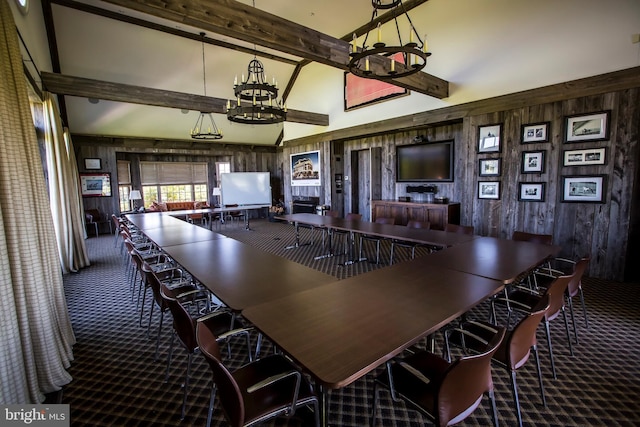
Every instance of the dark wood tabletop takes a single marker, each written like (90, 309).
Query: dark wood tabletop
(341, 331)
(499, 259)
(241, 275)
(168, 236)
(399, 232)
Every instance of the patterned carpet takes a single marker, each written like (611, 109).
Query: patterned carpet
(116, 381)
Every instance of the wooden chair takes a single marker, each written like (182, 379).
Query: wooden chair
(472, 337)
(461, 229)
(94, 218)
(376, 239)
(414, 223)
(184, 328)
(445, 392)
(266, 388)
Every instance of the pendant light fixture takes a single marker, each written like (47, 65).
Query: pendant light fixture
(205, 128)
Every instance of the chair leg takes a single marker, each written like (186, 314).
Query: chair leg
(393, 245)
(169, 356)
(144, 298)
(150, 317)
(494, 409)
(566, 327)
(158, 337)
(573, 319)
(211, 403)
(537, 357)
(516, 400)
(548, 332)
(186, 387)
(374, 409)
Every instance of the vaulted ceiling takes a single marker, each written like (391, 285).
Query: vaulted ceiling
(133, 68)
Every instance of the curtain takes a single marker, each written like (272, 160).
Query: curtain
(36, 337)
(64, 191)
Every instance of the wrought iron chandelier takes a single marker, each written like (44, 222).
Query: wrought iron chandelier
(379, 61)
(256, 99)
(205, 128)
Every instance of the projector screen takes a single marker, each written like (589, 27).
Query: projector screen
(245, 188)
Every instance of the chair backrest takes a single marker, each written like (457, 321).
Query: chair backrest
(95, 214)
(333, 214)
(183, 324)
(116, 223)
(556, 291)
(414, 223)
(385, 220)
(465, 382)
(228, 391)
(353, 216)
(545, 239)
(523, 336)
(460, 229)
(578, 271)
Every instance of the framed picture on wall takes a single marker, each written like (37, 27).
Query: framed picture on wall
(92, 164)
(305, 169)
(532, 162)
(589, 127)
(592, 156)
(531, 191)
(490, 167)
(583, 189)
(95, 184)
(488, 189)
(538, 132)
(489, 138)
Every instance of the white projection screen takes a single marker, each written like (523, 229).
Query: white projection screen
(245, 188)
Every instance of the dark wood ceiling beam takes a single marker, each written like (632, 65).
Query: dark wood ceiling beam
(168, 30)
(90, 88)
(239, 21)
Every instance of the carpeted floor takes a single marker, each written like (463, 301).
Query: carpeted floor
(116, 381)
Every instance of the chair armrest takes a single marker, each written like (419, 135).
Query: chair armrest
(209, 315)
(275, 378)
(468, 334)
(233, 333)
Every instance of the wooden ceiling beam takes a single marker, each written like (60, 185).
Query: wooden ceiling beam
(90, 88)
(242, 22)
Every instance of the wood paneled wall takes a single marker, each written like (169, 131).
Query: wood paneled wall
(601, 230)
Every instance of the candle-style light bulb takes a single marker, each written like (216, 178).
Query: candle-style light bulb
(354, 44)
(366, 64)
(425, 46)
(411, 36)
(235, 80)
(379, 33)
(393, 65)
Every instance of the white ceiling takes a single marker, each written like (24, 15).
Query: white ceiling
(483, 48)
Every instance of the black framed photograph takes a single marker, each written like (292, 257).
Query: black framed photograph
(583, 189)
(95, 184)
(531, 191)
(490, 167)
(538, 132)
(305, 169)
(590, 156)
(489, 190)
(489, 138)
(587, 127)
(532, 162)
(92, 164)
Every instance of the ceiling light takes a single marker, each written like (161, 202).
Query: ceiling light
(379, 61)
(205, 127)
(261, 105)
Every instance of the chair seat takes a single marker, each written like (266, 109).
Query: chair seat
(274, 398)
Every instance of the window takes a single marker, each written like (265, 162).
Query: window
(222, 167)
(173, 182)
(124, 185)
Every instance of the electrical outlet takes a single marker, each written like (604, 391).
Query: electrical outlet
(635, 38)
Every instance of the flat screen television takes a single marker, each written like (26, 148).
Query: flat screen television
(428, 162)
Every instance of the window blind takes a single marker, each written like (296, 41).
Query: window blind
(124, 172)
(170, 173)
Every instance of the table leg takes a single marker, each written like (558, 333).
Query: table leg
(246, 220)
(324, 406)
(329, 252)
(297, 241)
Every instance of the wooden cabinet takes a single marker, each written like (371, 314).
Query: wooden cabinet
(439, 215)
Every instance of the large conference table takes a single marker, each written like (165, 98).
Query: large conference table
(339, 331)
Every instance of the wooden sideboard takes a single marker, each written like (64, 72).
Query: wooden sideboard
(439, 215)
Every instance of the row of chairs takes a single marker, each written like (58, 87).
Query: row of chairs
(266, 387)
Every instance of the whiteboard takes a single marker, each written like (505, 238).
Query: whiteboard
(245, 188)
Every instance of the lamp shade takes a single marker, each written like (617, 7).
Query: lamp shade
(135, 195)
(216, 191)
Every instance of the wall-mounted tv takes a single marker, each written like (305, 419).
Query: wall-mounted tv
(427, 162)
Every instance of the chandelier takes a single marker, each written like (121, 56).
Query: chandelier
(205, 127)
(261, 105)
(379, 61)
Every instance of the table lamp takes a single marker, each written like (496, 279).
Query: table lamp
(133, 196)
(217, 193)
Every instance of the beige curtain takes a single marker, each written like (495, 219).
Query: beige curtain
(64, 191)
(36, 338)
